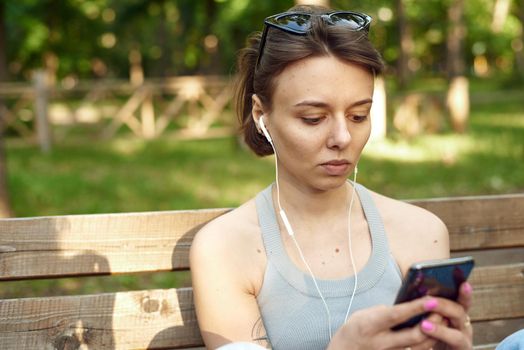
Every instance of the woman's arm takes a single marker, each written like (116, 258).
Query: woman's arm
(223, 288)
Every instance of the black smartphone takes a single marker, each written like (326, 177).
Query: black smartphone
(440, 278)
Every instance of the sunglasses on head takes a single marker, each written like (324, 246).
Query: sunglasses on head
(300, 23)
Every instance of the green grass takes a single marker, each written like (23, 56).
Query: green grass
(127, 174)
(488, 159)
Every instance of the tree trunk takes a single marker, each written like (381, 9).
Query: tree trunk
(163, 65)
(3, 44)
(40, 78)
(456, 34)
(458, 92)
(518, 42)
(212, 61)
(500, 14)
(406, 45)
(136, 72)
(5, 206)
(378, 110)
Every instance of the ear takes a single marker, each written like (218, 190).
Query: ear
(257, 110)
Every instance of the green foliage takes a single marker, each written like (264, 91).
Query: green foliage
(187, 37)
(40, 30)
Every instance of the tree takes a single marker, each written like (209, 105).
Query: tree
(519, 41)
(406, 45)
(5, 207)
(3, 44)
(458, 94)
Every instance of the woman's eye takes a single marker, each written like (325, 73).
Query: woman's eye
(359, 118)
(311, 121)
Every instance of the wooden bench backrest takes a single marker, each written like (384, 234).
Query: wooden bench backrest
(490, 228)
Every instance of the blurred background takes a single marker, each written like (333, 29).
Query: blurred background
(118, 106)
(111, 106)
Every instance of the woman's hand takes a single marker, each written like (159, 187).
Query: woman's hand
(458, 333)
(371, 328)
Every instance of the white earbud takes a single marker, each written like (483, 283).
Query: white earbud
(264, 130)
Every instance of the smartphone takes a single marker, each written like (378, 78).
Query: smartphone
(440, 278)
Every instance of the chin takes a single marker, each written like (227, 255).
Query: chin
(331, 183)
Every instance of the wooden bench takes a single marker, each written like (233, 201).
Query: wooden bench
(491, 228)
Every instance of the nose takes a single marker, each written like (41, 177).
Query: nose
(339, 137)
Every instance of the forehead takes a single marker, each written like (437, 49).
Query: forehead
(324, 77)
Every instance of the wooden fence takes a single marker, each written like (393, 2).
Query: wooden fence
(34, 110)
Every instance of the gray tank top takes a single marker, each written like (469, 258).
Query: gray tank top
(292, 312)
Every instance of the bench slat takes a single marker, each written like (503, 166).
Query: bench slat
(490, 257)
(150, 319)
(159, 241)
(481, 222)
(98, 244)
(498, 302)
(498, 275)
(489, 332)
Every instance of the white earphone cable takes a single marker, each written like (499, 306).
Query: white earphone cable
(353, 265)
(292, 234)
(287, 224)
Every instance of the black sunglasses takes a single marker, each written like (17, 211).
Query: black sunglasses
(300, 23)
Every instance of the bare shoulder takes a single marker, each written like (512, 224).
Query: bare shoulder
(229, 242)
(238, 226)
(408, 216)
(415, 234)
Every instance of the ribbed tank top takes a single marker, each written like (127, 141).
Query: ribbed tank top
(293, 313)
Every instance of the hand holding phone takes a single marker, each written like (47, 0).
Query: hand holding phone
(441, 278)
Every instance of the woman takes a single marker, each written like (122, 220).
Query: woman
(279, 271)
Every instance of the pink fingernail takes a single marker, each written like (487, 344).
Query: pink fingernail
(467, 288)
(427, 326)
(430, 304)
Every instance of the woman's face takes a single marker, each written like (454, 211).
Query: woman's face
(320, 120)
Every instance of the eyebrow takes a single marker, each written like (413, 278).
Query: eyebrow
(320, 104)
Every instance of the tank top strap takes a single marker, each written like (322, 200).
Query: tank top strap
(375, 223)
(269, 224)
(368, 276)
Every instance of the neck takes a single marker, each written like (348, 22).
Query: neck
(307, 204)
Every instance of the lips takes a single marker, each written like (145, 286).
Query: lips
(336, 167)
(336, 162)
